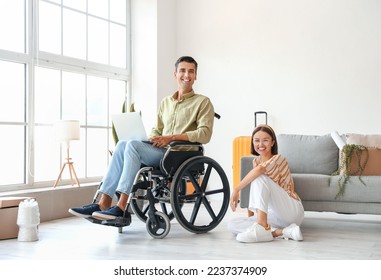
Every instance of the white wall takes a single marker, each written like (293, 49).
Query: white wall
(314, 66)
(153, 31)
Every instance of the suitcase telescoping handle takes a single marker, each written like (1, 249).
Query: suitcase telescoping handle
(256, 115)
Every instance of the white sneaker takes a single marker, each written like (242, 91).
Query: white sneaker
(292, 232)
(255, 233)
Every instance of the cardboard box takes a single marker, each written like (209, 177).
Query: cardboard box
(9, 207)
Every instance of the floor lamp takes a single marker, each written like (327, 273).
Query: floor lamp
(66, 131)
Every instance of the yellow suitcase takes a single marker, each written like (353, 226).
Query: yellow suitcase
(241, 147)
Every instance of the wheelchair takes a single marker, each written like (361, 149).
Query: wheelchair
(188, 186)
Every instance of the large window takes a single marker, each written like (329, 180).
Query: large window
(59, 59)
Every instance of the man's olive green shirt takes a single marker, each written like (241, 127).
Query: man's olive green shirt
(193, 115)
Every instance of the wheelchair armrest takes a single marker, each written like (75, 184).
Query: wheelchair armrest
(184, 143)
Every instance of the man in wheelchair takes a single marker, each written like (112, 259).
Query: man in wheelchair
(183, 116)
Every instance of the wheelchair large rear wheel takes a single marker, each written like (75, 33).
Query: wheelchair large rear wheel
(204, 203)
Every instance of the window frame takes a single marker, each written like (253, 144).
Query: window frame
(31, 58)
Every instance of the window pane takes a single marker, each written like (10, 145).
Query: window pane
(49, 28)
(73, 96)
(96, 101)
(117, 96)
(97, 152)
(47, 95)
(117, 93)
(12, 22)
(74, 34)
(117, 45)
(77, 4)
(12, 153)
(118, 11)
(47, 154)
(99, 8)
(98, 40)
(111, 143)
(12, 92)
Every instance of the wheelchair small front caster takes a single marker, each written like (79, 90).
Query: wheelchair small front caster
(160, 228)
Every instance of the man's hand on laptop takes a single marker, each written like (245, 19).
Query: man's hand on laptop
(161, 141)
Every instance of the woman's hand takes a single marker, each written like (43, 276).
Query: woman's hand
(234, 200)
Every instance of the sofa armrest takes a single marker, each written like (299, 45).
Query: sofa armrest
(246, 166)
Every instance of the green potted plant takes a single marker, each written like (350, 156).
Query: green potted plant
(348, 153)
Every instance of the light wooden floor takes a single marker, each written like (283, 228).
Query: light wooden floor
(327, 236)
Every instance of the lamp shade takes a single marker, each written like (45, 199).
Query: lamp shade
(66, 130)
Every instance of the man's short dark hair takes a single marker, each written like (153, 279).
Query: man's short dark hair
(188, 59)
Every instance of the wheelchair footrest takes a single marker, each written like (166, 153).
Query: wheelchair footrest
(118, 222)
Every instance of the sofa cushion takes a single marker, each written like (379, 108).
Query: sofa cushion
(356, 191)
(314, 187)
(309, 154)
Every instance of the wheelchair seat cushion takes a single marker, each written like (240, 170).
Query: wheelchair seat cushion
(174, 159)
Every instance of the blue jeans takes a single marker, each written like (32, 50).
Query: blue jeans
(126, 161)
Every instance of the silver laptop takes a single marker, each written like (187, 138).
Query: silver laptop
(129, 126)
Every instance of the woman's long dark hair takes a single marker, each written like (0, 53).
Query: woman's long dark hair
(269, 131)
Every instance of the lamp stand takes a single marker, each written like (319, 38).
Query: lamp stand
(68, 163)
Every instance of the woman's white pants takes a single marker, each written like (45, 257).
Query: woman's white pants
(267, 196)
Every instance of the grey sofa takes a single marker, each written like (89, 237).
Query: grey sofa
(312, 161)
